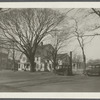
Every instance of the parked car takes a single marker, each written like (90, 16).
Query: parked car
(93, 70)
(63, 70)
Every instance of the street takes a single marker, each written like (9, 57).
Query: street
(47, 82)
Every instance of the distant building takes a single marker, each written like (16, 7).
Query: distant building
(63, 58)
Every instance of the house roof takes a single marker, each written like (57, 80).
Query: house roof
(43, 50)
(64, 57)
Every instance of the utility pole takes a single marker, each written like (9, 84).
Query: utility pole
(70, 67)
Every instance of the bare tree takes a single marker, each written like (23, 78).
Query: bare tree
(27, 27)
(57, 45)
(81, 38)
(2, 42)
(93, 12)
(59, 41)
(96, 11)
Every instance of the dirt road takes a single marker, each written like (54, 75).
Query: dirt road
(47, 82)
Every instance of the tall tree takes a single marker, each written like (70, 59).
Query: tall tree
(27, 27)
(81, 38)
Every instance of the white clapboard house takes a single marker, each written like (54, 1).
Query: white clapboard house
(42, 56)
(40, 59)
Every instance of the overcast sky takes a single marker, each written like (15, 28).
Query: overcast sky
(92, 48)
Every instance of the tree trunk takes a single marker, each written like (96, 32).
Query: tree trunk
(33, 66)
(13, 51)
(31, 58)
(84, 61)
(54, 65)
(7, 65)
(13, 59)
(55, 59)
(32, 63)
(55, 62)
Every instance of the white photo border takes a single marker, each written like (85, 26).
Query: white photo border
(52, 95)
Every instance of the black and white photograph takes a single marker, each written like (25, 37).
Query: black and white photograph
(49, 49)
